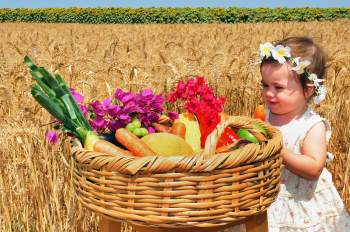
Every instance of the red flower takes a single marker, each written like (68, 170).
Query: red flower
(199, 100)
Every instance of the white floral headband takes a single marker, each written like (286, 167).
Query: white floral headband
(282, 54)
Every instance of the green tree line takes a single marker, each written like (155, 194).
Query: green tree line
(171, 15)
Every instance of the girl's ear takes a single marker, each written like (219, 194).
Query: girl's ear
(309, 91)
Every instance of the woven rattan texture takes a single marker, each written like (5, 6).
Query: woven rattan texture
(203, 190)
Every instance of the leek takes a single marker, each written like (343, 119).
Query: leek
(53, 94)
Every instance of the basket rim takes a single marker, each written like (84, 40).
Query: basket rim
(202, 162)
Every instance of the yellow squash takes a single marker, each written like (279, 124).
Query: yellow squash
(193, 133)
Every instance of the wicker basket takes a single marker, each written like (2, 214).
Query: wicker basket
(204, 190)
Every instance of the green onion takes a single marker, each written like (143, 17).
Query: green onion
(53, 94)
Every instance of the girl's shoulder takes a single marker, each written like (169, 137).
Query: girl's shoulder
(298, 128)
(309, 119)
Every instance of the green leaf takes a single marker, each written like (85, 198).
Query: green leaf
(82, 120)
(44, 87)
(55, 96)
(46, 102)
(29, 62)
(70, 108)
(55, 108)
(52, 82)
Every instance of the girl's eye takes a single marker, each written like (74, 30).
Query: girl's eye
(264, 85)
(279, 87)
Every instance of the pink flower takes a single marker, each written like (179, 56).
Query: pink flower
(77, 96)
(52, 137)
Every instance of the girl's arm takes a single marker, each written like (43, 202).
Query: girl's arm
(311, 163)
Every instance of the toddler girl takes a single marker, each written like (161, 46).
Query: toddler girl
(292, 76)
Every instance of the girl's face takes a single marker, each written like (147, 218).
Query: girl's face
(282, 90)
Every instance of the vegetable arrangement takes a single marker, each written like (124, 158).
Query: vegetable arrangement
(136, 124)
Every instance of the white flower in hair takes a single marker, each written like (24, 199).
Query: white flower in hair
(321, 92)
(280, 53)
(313, 77)
(300, 65)
(265, 50)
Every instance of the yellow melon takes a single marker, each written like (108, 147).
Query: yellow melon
(167, 144)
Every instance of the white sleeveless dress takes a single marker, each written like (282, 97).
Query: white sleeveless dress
(305, 205)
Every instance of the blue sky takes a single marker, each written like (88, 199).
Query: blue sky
(172, 3)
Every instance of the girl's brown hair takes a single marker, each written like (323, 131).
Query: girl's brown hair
(306, 49)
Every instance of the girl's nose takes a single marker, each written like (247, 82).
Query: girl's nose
(269, 93)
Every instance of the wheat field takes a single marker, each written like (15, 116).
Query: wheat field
(36, 191)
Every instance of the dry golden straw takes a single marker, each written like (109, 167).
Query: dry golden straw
(36, 187)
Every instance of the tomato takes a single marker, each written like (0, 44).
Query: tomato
(259, 113)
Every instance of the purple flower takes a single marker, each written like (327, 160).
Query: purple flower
(52, 137)
(84, 109)
(127, 98)
(124, 117)
(147, 92)
(118, 94)
(173, 115)
(111, 114)
(77, 96)
(152, 117)
(114, 125)
(157, 107)
(114, 110)
(130, 107)
(124, 97)
(151, 130)
(98, 124)
(107, 102)
(98, 108)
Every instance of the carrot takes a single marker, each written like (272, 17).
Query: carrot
(133, 143)
(161, 128)
(109, 148)
(179, 129)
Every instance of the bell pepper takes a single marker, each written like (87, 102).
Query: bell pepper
(206, 125)
(259, 112)
(227, 137)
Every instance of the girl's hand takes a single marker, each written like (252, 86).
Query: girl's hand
(313, 148)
